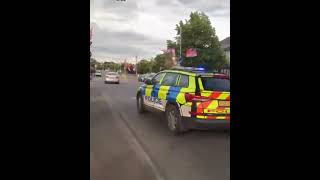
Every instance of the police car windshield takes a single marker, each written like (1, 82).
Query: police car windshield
(215, 84)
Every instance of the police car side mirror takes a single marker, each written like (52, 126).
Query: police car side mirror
(148, 82)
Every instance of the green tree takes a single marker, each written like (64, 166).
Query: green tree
(100, 66)
(198, 33)
(111, 66)
(144, 66)
(171, 44)
(161, 62)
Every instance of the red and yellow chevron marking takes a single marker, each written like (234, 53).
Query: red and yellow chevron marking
(212, 106)
(220, 95)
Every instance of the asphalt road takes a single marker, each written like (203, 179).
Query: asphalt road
(128, 145)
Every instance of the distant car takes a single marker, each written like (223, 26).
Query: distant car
(98, 74)
(148, 76)
(141, 77)
(112, 77)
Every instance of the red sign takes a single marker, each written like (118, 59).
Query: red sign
(191, 52)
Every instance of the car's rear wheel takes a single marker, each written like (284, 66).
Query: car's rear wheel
(174, 120)
(140, 105)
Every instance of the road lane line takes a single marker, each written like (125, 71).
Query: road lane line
(142, 151)
(138, 146)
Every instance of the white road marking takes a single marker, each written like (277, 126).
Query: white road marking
(135, 142)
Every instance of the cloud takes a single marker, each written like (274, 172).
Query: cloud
(141, 27)
(123, 44)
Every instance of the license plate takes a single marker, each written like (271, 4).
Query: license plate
(224, 103)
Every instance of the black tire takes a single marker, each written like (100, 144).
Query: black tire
(174, 120)
(140, 105)
(106, 82)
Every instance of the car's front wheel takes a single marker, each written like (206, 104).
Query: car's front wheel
(140, 105)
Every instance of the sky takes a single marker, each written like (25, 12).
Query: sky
(125, 29)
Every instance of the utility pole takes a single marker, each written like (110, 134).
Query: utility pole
(180, 40)
(136, 65)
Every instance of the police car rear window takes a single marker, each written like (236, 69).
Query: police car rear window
(215, 84)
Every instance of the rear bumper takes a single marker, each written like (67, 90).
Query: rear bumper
(112, 80)
(196, 123)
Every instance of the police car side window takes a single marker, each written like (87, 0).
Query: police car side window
(157, 78)
(169, 79)
(184, 81)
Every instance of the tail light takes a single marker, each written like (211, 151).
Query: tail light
(192, 97)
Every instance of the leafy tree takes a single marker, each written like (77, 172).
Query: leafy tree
(144, 66)
(111, 66)
(198, 33)
(172, 44)
(100, 66)
(161, 62)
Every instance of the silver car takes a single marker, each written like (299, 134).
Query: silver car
(112, 77)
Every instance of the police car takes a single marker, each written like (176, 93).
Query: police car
(190, 98)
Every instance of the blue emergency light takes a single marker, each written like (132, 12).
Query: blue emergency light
(189, 68)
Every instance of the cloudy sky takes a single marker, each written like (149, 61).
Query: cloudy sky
(122, 30)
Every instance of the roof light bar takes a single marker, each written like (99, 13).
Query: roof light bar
(189, 68)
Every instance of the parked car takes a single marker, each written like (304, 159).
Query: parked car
(141, 77)
(98, 73)
(148, 76)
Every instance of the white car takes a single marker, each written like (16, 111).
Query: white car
(112, 77)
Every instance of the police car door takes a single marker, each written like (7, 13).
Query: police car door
(168, 83)
(151, 94)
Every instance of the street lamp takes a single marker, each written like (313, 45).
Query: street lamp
(180, 40)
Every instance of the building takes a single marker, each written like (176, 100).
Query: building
(226, 47)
